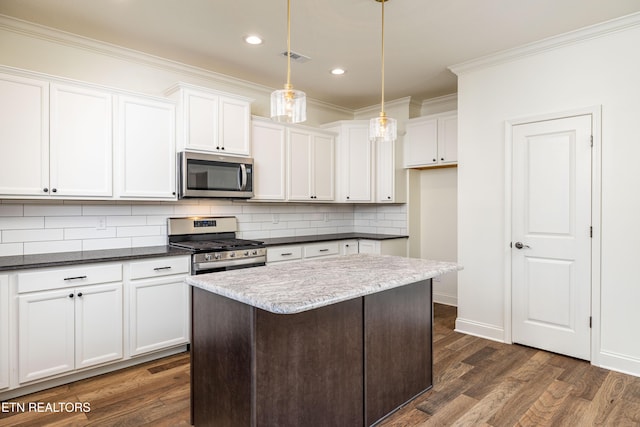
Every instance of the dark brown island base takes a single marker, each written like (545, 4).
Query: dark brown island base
(334, 353)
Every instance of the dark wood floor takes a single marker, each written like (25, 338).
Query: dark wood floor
(477, 383)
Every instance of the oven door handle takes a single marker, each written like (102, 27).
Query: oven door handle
(243, 177)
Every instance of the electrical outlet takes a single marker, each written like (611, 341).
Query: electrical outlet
(102, 223)
(276, 218)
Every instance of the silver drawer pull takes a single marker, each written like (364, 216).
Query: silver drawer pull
(287, 254)
(324, 250)
(75, 278)
(162, 268)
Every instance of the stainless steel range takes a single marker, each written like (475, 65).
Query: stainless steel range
(213, 243)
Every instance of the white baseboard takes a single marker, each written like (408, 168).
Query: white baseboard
(619, 363)
(482, 330)
(445, 299)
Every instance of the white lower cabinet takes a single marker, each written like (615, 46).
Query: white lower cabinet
(65, 329)
(159, 304)
(4, 331)
(69, 321)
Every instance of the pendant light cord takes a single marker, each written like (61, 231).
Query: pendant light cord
(288, 44)
(382, 102)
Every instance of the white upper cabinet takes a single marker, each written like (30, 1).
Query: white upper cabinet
(212, 121)
(310, 165)
(81, 145)
(268, 145)
(431, 141)
(57, 139)
(24, 124)
(354, 161)
(145, 148)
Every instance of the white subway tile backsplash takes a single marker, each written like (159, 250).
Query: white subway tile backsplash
(137, 242)
(11, 249)
(150, 230)
(52, 210)
(39, 235)
(51, 247)
(89, 233)
(71, 221)
(11, 210)
(20, 223)
(106, 210)
(40, 227)
(101, 244)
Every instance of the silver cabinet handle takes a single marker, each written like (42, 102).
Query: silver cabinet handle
(323, 250)
(162, 268)
(287, 254)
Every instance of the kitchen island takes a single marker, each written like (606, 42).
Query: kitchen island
(328, 342)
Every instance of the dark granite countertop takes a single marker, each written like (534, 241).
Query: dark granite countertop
(292, 240)
(21, 262)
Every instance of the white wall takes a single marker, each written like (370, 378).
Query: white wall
(555, 75)
(439, 228)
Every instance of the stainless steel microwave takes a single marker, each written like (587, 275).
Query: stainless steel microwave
(214, 176)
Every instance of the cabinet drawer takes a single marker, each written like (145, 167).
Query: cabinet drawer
(160, 267)
(43, 280)
(283, 253)
(321, 249)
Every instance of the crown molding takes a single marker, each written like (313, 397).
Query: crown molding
(573, 37)
(76, 41)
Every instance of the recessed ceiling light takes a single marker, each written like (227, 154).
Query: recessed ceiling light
(253, 39)
(338, 71)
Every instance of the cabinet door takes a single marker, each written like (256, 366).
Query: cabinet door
(358, 155)
(299, 165)
(98, 326)
(81, 142)
(201, 114)
(323, 168)
(385, 168)
(4, 331)
(421, 143)
(24, 141)
(45, 334)
(159, 314)
(235, 118)
(448, 140)
(269, 159)
(348, 247)
(146, 159)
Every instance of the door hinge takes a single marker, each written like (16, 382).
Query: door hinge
(592, 140)
(590, 321)
(591, 231)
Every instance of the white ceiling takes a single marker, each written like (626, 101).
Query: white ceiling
(422, 37)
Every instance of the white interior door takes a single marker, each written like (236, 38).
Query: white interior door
(551, 235)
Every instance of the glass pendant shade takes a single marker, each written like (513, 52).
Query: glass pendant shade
(288, 105)
(383, 128)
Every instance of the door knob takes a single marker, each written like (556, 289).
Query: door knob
(520, 245)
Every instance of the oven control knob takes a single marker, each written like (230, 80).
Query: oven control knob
(232, 255)
(246, 253)
(254, 252)
(207, 257)
(217, 256)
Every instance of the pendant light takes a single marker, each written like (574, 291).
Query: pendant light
(383, 128)
(288, 105)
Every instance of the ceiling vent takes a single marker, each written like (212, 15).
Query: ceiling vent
(296, 57)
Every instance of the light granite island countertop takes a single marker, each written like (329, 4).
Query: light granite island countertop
(290, 288)
(324, 342)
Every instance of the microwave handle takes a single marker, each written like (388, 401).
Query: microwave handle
(243, 177)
